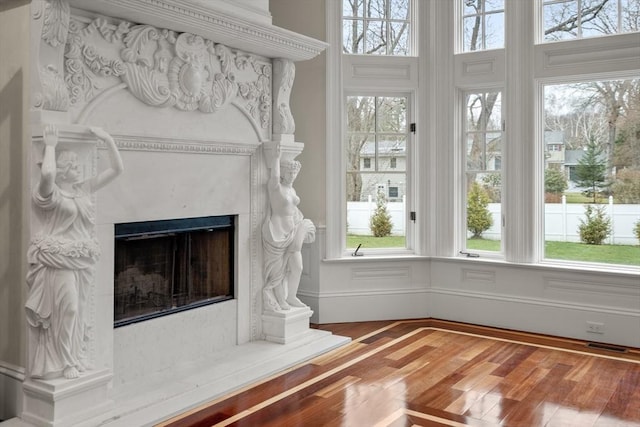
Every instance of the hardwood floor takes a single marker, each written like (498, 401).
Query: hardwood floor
(436, 373)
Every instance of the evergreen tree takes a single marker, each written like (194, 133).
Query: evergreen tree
(591, 171)
(478, 216)
(380, 222)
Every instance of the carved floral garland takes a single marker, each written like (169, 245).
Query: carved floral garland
(163, 68)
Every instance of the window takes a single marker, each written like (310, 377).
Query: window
(483, 140)
(570, 19)
(376, 129)
(376, 27)
(483, 25)
(366, 163)
(592, 191)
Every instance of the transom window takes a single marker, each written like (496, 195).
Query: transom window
(570, 19)
(376, 27)
(483, 24)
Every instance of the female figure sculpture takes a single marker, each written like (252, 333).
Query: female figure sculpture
(284, 231)
(61, 258)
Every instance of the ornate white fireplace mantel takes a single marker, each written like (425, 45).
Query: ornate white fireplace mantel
(192, 92)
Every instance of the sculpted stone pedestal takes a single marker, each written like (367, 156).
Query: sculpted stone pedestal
(284, 327)
(60, 402)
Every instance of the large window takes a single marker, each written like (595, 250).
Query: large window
(376, 27)
(376, 181)
(483, 25)
(569, 19)
(483, 141)
(592, 184)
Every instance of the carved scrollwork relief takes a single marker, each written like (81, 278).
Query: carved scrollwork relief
(163, 68)
(284, 74)
(56, 22)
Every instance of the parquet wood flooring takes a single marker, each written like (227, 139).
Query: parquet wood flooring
(436, 373)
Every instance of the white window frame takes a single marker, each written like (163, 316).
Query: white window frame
(353, 74)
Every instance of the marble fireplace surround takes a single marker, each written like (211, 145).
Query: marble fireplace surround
(136, 68)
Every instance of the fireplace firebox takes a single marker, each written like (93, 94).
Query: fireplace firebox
(167, 266)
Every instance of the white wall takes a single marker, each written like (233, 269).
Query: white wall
(14, 200)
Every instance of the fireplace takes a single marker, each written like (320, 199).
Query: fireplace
(168, 266)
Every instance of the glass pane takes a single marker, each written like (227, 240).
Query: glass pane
(361, 114)
(493, 154)
(472, 37)
(494, 31)
(353, 8)
(377, 9)
(599, 19)
(483, 211)
(352, 36)
(399, 38)
(359, 147)
(143, 276)
(630, 15)
(392, 114)
(493, 5)
(592, 171)
(560, 20)
(399, 9)
(210, 264)
(475, 151)
(378, 218)
(492, 106)
(376, 38)
(472, 7)
(392, 153)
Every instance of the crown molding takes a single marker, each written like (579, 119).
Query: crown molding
(203, 19)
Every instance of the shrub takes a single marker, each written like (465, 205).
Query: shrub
(626, 187)
(380, 222)
(636, 230)
(554, 181)
(478, 216)
(597, 226)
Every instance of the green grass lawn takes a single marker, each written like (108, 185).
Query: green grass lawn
(611, 254)
(375, 242)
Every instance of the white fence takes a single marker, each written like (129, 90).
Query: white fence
(561, 220)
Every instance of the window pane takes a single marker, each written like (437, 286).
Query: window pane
(471, 7)
(602, 22)
(630, 15)
(494, 31)
(399, 9)
(360, 147)
(399, 38)
(376, 9)
(352, 36)
(483, 149)
(472, 37)
(392, 148)
(493, 5)
(560, 20)
(361, 114)
(376, 38)
(592, 171)
(392, 114)
(353, 8)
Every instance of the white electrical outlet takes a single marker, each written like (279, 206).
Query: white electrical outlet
(595, 327)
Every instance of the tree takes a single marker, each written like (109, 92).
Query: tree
(597, 226)
(626, 187)
(478, 216)
(380, 222)
(591, 171)
(555, 183)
